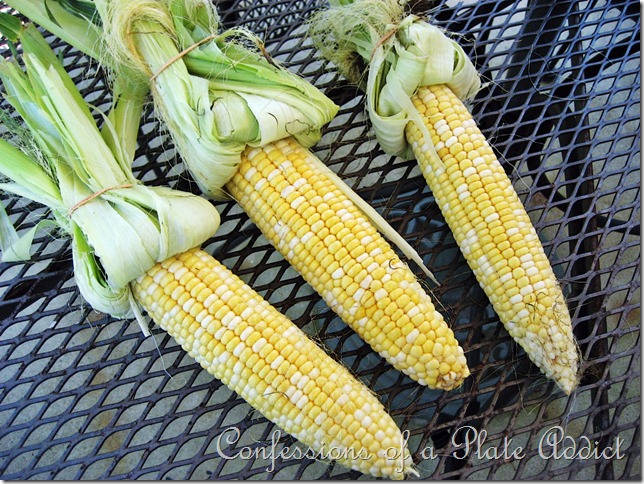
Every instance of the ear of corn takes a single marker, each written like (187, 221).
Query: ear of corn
(332, 244)
(406, 58)
(494, 232)
(255, 350)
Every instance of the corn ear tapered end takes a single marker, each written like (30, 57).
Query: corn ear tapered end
(544, 330)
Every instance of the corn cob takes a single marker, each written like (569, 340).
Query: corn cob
(243, 341)
(330, 242)
(494, 232)
(406, 57)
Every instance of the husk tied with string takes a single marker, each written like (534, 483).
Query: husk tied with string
(119, 227)
(214, 91)
(390, 54)
(417, 79)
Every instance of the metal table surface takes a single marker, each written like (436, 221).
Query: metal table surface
(85, 396)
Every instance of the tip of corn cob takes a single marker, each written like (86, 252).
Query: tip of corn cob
(544, 330)
(434, 359)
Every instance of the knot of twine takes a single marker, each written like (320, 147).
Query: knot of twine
(94, 195)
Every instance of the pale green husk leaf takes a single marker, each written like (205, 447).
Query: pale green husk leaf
(52, 15)
(119, 227)
(402, 52)
(14, 247)
(215, 94)
(78, 24)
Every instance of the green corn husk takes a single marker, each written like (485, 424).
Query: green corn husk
(119, 227)
(403, 52)
(214, 95)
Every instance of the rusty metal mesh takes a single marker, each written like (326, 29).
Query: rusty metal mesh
(84, 396)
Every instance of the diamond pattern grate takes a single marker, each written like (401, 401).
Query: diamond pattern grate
(84, 396)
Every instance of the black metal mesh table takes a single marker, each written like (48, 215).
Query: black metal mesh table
(84, 396)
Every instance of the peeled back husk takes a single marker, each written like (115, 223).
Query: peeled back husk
(214, 94)
(403, 53)
(119, 227)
